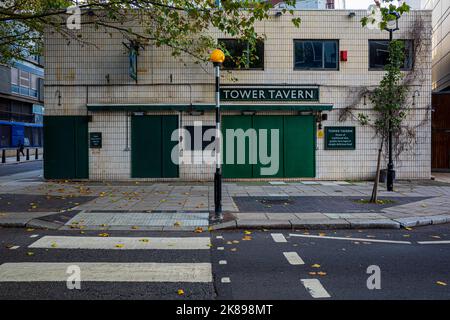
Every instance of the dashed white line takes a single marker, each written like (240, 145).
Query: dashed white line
(293, 258)
(434, 242)
(315, 288)
(222, 262)
(225, 280)
(220, 248)
(349, 239)
(278, 237)
(219, 237)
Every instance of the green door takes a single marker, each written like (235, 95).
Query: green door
(270, 157)
(295, 157)
(233, 166)
(66, 147)
(299, 147)
(151, 146)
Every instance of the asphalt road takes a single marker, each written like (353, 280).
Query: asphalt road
(14, 168)
(256, 268)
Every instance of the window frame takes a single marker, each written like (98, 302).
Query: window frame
(245, 68)
(338, 62)
(412, 53)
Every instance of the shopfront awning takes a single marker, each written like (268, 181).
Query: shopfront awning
(206, 107)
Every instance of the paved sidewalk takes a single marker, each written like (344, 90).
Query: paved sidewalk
(183, 206)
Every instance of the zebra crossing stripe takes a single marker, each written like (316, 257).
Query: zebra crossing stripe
(107, 272)
(122, 243)
(315, 288)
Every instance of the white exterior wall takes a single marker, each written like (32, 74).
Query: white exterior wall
(79, 75)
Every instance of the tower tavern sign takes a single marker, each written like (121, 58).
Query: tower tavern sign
(290, 94)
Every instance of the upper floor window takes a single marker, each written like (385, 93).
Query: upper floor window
(316, 54)
(24, 79)
(242, 56)
(14, 76)
(379, 54)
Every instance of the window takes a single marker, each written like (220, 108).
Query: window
(316, 54)
(241, 57)
(14, 76)
(24, 79)
(379, 54)
(191, 146)
(5, 136)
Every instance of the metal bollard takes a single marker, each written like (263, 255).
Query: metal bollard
(3, 156)
(36, 154)
(28, 154)
(18, 156)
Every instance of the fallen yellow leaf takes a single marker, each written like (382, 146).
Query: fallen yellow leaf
(177, 224)
(247, 232)
(29, 253)
(198, 230)
(180, 292)
(408, 228)
(144, 240)
(320, 273)
(441, 283)
(134, 227)
(119, 245)
(247, 238)
(315, 265)
(54, 245)
(103, 235)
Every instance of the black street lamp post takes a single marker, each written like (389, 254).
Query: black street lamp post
(217, 58)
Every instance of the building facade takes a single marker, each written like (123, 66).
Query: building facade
(21, 104)
(112, 115)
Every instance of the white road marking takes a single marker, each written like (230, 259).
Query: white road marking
(434, 242)
(219, 237)
(107, 272)
(349, 239)
(315, 288)
(222, 262)
(14, 247)
(293, 258)
(220, 248)
(34, 236)
(122, 243)
(225, 280)
(278, 237)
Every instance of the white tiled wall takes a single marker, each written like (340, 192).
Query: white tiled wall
(78, 75)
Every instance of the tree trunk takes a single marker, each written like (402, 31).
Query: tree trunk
(374, 197)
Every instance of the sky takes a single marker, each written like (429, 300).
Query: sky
(357, 4)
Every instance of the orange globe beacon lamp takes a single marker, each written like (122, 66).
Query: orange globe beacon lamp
(217, 57)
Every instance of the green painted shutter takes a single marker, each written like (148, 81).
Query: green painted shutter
(236, 170)
(66, 147)
(299, 146)
(169, 125)
(151, 146)
(269, 123)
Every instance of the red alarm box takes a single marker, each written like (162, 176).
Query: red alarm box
(344, 56)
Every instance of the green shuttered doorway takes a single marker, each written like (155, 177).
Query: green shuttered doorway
(296, 140)
(66, 147)
(151, 146)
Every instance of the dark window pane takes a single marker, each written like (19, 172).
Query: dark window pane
(331, 55)
(5, 136)
(314, 54)
(379, 54)
(241, 55)
(203, 144)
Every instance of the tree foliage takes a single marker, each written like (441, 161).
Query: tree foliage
(178, 24)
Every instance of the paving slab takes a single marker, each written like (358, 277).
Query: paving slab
(258, 224)
(320, 224)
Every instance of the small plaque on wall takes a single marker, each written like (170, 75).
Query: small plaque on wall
(95, 140)
(340, 138)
